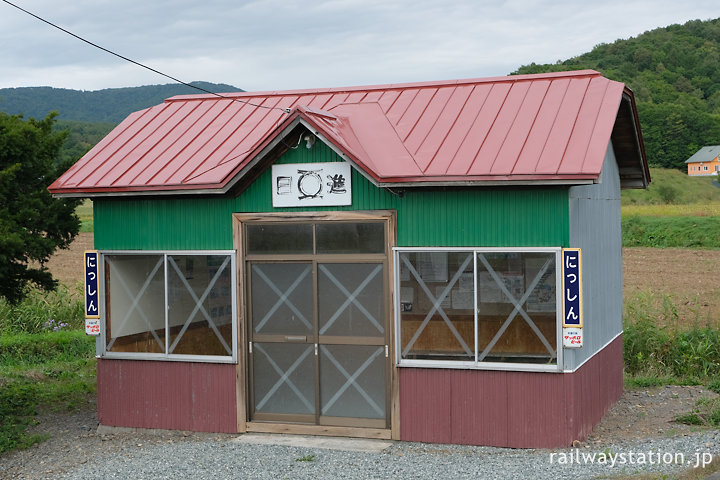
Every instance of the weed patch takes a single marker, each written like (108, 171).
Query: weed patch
(50, 370)
(658, 350)
(43, 349)
(42, 311)
(706, 412)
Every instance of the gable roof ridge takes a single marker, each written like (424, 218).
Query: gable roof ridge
(389, 86)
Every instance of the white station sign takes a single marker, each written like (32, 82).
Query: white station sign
(311, 184)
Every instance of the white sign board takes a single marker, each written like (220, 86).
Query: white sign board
(572, 337)
(92, 326)
(311, 185)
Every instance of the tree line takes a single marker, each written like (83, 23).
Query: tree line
(674, 73)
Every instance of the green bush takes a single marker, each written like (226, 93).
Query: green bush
(42, 311)
(667, 193)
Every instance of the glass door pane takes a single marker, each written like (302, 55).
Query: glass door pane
(282, 298)
(351, 300)
(352, 381)
(284, 378)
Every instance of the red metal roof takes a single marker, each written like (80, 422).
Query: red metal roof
(547, 128)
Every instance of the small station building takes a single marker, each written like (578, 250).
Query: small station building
(381, 261)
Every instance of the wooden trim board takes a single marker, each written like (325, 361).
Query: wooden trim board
(294, 429)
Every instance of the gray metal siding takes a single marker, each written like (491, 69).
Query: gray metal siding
(595, 227)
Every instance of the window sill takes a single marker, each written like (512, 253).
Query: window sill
(168, 358)
(496, 366)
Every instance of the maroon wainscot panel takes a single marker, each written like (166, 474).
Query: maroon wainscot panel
(167, 395)
(509, 409)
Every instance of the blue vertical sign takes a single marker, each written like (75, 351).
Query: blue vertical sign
(572, 287)
(92, 296)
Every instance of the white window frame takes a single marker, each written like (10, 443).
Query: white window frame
(479, 365)
(102, 347)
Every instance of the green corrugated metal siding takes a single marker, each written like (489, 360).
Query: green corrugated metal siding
(432, 217)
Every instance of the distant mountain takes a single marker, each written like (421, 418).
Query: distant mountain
(674, 73)
(90, 115)
(110, 105)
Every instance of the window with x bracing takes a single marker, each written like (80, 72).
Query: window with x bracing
(170, 305)
(477, 306)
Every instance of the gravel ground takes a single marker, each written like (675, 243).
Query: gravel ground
(77, 451)
(223, 458)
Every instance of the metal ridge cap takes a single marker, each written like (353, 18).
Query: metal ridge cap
(389, 86)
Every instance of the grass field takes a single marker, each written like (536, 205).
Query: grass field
(671, 231)
(669, 186)
(663, 210)
(676, 211)
(85, 212)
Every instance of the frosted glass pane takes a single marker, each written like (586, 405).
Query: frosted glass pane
(135, 318)
(284, 378)
(352, 381)
(350, 237)
(279, 238)
(200, 304)
(282, 298)
(351, 299)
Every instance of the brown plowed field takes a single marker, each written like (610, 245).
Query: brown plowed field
(691, 278)
(67, 265)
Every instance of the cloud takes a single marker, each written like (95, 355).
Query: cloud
(273, 44)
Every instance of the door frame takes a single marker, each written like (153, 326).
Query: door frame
(242, 375)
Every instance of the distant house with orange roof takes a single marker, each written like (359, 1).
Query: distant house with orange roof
(704, 162)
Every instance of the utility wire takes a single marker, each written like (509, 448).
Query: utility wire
(285, 110)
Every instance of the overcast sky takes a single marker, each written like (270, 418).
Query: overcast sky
(289, 44)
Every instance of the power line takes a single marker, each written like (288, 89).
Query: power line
(285, 110)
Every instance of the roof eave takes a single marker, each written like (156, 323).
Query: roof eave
(486, 182)
(135, 192)
(640, 143)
